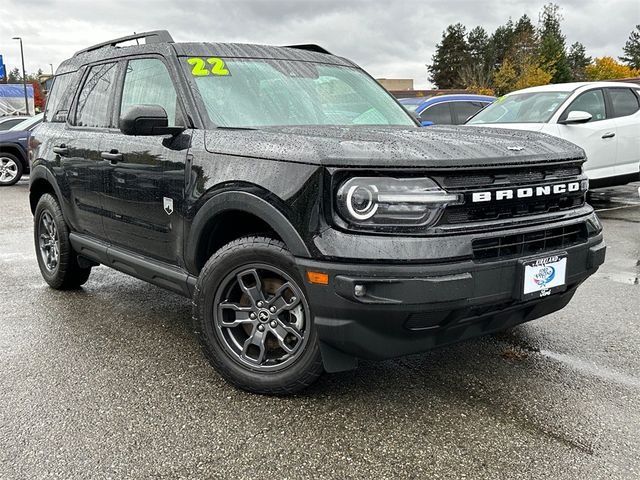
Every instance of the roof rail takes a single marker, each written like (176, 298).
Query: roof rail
(156, 36)
(310, 47)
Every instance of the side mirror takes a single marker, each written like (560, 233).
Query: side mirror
(575, 117)
(143, 120)
(426, 123)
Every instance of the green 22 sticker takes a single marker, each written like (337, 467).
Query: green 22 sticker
(200, 68)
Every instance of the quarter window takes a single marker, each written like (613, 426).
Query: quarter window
(147, 82)
(58, 99)
(93, 101)
(439, 114)
(466, 109)
(591, 102)
(624, 101)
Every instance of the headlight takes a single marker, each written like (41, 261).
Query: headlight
(383, 201)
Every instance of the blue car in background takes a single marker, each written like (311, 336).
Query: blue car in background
(446, 109)
(14, 149)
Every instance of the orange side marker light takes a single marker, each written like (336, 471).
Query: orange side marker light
(318, 277)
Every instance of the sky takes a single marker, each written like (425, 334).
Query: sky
(388, 38)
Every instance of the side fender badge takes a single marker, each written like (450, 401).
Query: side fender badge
(168, 205)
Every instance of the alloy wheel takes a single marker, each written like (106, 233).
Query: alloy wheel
(49, 241)
(261, 316)
(8, 170)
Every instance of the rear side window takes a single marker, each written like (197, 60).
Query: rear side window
(591, 102)
(439, 114)
(93, 102)
(147, 82)
(464, 110)
(58, 99)
(624, 101)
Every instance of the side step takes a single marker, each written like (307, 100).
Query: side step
(153, 271)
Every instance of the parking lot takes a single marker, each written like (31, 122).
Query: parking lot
(109, 382)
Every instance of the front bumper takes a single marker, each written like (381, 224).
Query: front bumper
(412, 308)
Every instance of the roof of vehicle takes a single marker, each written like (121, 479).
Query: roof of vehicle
(13, 117)
(446, 98)
(160, 42)
(572, 86)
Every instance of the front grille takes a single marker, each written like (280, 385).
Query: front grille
(529, 243)
(497, 211)
(515, 177)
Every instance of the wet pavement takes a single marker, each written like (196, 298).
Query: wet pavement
(109, 382)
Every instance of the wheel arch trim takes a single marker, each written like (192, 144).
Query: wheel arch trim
(248, 203)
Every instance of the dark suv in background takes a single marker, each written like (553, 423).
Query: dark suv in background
(305, 212)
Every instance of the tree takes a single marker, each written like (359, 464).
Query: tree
(553, 52)
(606, 68)
(451, 56)
(14, 76)
(499, 45)
(631, 49)
(578, 61)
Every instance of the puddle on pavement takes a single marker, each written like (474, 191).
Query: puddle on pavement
(620, 197)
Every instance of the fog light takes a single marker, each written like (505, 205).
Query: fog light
(360, 291)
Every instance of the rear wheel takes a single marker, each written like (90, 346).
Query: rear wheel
(57, 260)
(253, 318)
(10, 169)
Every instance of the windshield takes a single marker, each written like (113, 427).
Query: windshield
(534, 107)
(257, 93)
(28, 123)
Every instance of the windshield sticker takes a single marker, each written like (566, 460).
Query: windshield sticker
(200, 68)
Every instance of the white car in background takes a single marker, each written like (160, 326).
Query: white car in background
(601, 117)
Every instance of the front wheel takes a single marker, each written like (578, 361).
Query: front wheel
(253, 318)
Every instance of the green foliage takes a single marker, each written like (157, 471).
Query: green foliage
(631, 49)
(578, 61)
(452, 54)
(553, 51)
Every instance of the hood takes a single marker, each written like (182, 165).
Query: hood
(392, 147)
(533, 127)
(14, 136)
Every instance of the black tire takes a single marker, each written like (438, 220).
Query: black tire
(14, 167)
(215, 287)
(66, 273)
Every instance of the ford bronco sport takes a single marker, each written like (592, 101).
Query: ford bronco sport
(305, 212)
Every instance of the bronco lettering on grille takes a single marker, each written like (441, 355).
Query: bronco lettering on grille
(525, 192)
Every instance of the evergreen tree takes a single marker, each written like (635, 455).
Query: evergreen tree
(499, 44)
(631, 49)
(578, 61)
(553, 54)
(452, 54)
(478, 42)
(524, 42)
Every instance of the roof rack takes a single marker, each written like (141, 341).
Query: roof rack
(155, 36)
(310, 47)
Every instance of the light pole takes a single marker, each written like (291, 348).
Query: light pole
(24, 76)
(51, 65)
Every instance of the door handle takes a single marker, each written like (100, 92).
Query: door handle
(113, 156)
(609, 135)
(61, 150)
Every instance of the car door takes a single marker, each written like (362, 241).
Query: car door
(79, 147)
(144, 180)
(464, 109)
(437, 114)
(625, 107)
(597, 136)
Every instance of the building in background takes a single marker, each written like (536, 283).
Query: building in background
(396, 83)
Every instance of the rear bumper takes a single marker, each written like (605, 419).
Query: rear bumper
(413, 308)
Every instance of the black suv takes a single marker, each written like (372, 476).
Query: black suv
(308, 216)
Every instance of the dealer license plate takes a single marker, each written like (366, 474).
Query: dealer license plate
(544, 276)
